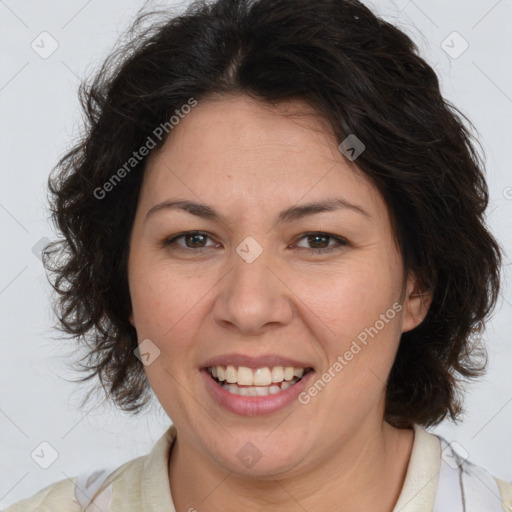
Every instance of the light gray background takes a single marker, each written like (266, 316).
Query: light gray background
(39, 115)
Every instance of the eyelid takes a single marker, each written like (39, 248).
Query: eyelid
(172, 239)
(339, 241)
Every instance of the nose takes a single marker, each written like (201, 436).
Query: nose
(253, 297)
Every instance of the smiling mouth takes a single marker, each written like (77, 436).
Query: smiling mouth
(244, 381)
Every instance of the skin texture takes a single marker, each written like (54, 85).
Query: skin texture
(249, 161)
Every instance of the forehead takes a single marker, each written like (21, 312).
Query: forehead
(257, 154)
(220, 124)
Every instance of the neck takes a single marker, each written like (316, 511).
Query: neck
(370, 469)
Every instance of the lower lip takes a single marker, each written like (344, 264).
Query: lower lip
(254, 405)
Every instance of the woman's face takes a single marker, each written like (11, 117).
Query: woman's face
(270, 282)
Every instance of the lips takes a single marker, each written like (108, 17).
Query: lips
(269, 360)
(263, 371)
(255, 385)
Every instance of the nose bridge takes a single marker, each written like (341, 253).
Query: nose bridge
(251, 267)
(252, 296)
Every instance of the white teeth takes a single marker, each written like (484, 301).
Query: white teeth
(243, 391)
(251, 390)
(264, 376)
(277, 374)
(231, 374)
(288, 373)
(258, 390)
(244, 376)
(232, 388)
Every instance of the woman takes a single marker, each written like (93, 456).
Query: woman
(275, 223)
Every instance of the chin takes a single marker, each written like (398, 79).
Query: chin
(261, 456)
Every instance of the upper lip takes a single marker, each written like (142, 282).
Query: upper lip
(261, 361)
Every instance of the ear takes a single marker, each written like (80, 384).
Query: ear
(132, 321)
(416, 303)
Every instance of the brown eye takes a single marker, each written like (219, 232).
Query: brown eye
(319, 242)
(192, 240)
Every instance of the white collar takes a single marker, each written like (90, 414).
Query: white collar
(417, 495)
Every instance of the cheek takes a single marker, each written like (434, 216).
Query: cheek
(164, 313)
(352, 299)
(161, 295)
(365, 315)
(169, 308)
(361, 318)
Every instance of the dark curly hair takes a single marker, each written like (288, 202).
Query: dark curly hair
(365, 77)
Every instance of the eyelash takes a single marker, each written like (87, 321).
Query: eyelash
(340, 242)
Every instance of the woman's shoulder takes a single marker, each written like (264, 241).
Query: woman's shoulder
(124, 488)
(461, 480)
(80, 493)
(58, 496)
(481, 488)
(506, 493)
(440, 477)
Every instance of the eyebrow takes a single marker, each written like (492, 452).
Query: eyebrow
(291, 214)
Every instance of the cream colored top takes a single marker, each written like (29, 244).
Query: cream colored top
(142, 484)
